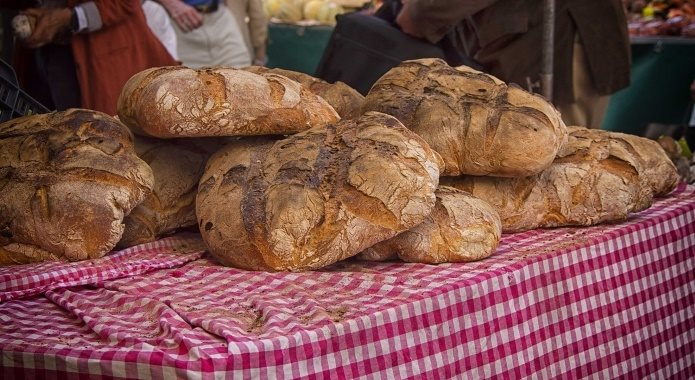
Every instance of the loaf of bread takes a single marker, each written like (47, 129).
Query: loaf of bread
(478, 124)
(177, 165)
(346, 101)
(178, 101)
(597, 177)
(66, 181)
(316, 197)
(659, 175)
(461, 228)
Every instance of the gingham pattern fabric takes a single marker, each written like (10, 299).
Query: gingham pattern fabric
(614, 301)
(26, 280)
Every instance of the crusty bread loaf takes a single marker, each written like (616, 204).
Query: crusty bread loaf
(478, 124)
(66, 181)
(594, 179)
(461, 228)
(657, 170)
(177, 165)
(178, 101)
(316, 197)
(346, 101)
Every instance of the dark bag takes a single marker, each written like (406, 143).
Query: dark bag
(363, 47)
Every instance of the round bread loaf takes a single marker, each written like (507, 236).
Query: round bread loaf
(66, 181)
(346, 101)
(461, 228)
(597, 177)
(177, 165)
(478, 124)
(178, 101)
(316, 197)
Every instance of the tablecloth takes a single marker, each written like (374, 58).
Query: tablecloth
(612, 301)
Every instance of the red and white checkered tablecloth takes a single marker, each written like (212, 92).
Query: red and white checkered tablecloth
(614, 301)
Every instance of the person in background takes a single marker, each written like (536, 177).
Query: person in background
(159, 23)
(254, 27)
(592, 50)
(87, 50)
(207, 34)
(689, 134)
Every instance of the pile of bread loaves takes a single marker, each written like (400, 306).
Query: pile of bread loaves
(281, 171)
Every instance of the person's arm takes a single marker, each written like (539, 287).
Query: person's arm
(85, 17)
(185, 16)
(258, 30)
(97, 14)
(49, 23)
(432, 19)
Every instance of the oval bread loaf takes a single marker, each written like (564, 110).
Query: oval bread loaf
(316, 197)
(178, 101)
(478, 124)
(66, 181)
(461, 228)
(346, 101)
(659, 176)
(597, 177)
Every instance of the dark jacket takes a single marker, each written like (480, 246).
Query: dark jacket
(505, 37)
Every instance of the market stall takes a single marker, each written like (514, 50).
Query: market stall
(262, 223)
(663, 67)
(608, 301)
(662, 70)
(298, 31)
(297, 47)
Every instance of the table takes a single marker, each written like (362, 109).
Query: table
(661, 73)
(601, 302)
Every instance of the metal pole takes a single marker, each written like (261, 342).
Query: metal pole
(548, 49)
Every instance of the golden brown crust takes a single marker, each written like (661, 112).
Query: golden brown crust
(461, 228)
(176, 101)
(476, 122)
(177, 165)
(598, 177)
(316, 197)
(346, 101)
(658, 172)
(66, 181)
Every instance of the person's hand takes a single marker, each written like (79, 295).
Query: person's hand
(260, 59)
(49, 22)
(185, 16)
(406, 22)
